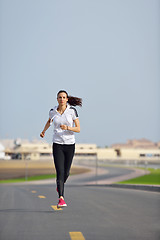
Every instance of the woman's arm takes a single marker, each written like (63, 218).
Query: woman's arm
(74, 129)
(45, 128)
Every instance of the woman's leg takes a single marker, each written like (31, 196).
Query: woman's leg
(59, 159)
(69, 154)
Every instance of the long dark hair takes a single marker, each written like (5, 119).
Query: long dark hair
(73, 101)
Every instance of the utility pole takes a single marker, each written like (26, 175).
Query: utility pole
(96, 170)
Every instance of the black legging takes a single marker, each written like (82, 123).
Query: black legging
(63, 155)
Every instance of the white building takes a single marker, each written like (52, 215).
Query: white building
(2, 151)
(42, 151)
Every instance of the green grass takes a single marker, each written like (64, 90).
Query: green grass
(151, 179)
(32, 178)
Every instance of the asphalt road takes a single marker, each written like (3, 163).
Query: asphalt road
(111, 172)
(97, 213)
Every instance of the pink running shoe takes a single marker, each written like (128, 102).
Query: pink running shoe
(61, 203)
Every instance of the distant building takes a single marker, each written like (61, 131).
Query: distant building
(158, 145)
(138, 149)
(86, 150)
(2, 153)
(133, 150)
(140, 143)
(3, 156)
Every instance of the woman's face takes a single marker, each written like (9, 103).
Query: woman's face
(62, 98)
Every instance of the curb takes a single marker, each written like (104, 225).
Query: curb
(152, 188)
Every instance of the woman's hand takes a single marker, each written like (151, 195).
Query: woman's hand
(74, 129)
(42, 134)
(64, 127)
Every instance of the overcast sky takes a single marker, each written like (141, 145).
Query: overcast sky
(105, 51)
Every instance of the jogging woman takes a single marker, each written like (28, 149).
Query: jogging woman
(66, 122)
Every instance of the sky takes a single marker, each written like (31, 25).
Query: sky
(105, 51)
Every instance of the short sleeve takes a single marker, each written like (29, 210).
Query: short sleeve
(51, 114)
(74, 113)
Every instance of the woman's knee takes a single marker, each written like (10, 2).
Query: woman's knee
(66, 175)
(60, 176)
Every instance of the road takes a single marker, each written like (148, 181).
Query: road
(103, 174)
(27, 211)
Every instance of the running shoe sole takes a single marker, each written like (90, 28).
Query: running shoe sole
(61, 206)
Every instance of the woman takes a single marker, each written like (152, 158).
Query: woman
(66, 122)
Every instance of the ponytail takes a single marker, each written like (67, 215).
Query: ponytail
(73, 101)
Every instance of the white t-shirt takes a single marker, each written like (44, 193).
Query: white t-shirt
(67, 118)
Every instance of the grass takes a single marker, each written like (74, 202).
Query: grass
(151, 179)
(32, 178)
